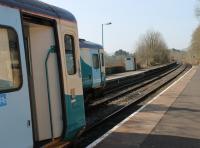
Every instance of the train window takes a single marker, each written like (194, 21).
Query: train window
(102, 59)
(10, 69)
(70, 54)
(95, 59)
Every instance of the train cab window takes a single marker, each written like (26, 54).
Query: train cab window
(102, 59)
(70, 54)
(95, 59)
(10, 69)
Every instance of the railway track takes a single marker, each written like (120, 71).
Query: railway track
(124, 82)
(98, 118)
(127, 88)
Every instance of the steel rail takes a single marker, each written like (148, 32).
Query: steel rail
(143, 82)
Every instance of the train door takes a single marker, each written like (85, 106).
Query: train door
(96, 70)
(75, 112)
(103, 72)
(44, 80)
(15, 114)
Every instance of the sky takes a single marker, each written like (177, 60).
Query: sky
(175, 19)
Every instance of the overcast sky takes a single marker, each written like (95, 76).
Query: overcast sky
(175, 19)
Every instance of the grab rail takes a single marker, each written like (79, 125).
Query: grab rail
(51, 50)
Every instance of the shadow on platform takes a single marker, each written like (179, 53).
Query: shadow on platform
(129, 140)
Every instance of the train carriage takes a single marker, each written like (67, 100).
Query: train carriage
(92, 67)
(41, 97)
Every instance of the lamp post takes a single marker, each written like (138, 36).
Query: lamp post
(109, 23)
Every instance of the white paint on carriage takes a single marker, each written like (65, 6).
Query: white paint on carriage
(15, 116)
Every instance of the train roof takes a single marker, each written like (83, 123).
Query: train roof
(87, 44)
(37, 6)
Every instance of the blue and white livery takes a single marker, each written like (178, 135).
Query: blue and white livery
(92, 66)
(41, 96)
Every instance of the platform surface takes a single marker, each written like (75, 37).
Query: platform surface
(170, 120)
(130, 73)
(124, 74)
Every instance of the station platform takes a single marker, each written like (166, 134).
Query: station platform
(130, 73)
(124, 74)
(169, 120)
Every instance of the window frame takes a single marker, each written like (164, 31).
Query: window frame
(19, 58)
(74, 54)
(99, 65)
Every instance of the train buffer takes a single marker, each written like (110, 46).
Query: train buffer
(169, 120)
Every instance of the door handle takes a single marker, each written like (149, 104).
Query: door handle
(72, 95)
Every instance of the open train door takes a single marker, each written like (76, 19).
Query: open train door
(15, 114)
(44, 79)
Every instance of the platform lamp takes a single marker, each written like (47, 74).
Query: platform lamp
(109, 23)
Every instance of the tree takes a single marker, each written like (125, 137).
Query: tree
(194, 50)
(121, 53)
(178, 55)
(152, 49)
(197, 10)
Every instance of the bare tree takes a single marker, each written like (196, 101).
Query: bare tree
(179, 55)
(197, 10)
(194, 50)
(152, 49)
